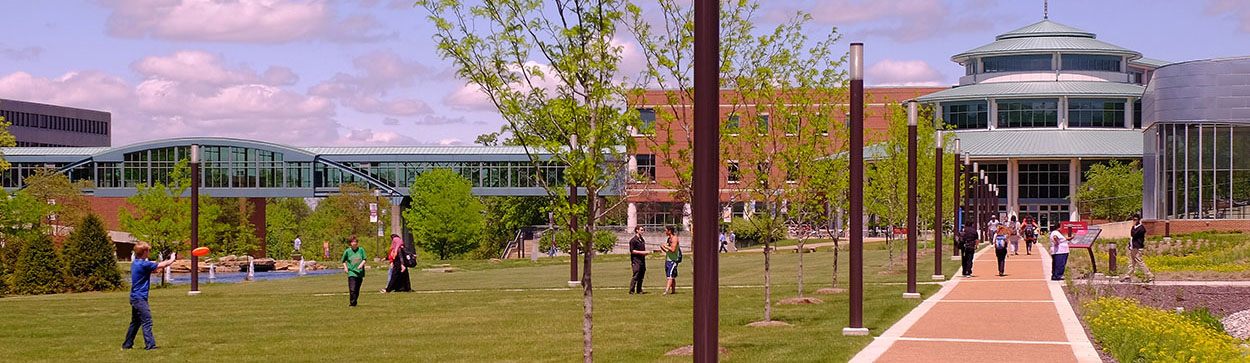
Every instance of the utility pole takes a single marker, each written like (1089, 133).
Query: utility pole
(706, 180)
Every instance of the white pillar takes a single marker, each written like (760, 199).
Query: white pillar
(631, 217)
(301, 265)
(992, 108)
(1128, 113)
(685, 218)
(1063, 113)
(633, 164)
(1013, 187)
(1074, 178)
(251, 270)
(212, 271)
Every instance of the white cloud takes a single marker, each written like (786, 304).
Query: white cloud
(368, 137)
(912, 73)
(378, 74)
(1238, 10)
(470, 97)
(450, 141)
(243, 21)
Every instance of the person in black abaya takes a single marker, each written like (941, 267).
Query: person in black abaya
(399, 281)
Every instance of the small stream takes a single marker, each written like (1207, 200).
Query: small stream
(232, 277)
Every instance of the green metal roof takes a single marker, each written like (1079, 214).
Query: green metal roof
(1040, 144)
(1035, 89)
(1045, 37)
(1149, 62)
(1045, 28)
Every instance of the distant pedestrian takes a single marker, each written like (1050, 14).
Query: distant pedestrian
(354, 258)
(399, 281)
(672, 253)
(325, 250)
(724, 242)
(1058, 253)
(1136, 245)
(1013, 236)
(1029, 231)
(1000, 248)
(637, 261)
(969, 238)
(551, 251)
(733, 240)
(298, 243)
(140, 278)
(991, 227)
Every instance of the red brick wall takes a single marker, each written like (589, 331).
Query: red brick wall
(1156, 228)
(107, 209)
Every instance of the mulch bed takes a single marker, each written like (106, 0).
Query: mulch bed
(1220, 300)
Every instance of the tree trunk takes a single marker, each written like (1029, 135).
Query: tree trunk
(801, 239)
(588, 302)
(768, 292)
(836, 247)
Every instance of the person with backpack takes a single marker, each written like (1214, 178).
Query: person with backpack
(1000, 247)
(968, 246)
(1029, 231)
(400, 259)
(1013, 236)
(672, 252)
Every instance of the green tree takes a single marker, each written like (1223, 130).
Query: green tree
(67, 204)
(6, 140)
(551, 69)
(162, 215)
(21, 215)
(282, 226)
(90, 258)
(504, 217)
(445, 217)
(231, 232)
(38, 269)
(1112, 190)
(344, 214)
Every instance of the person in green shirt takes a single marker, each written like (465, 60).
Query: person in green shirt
(672, 252)
(354, 266)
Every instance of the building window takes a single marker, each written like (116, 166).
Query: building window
(1018, 63)
(646, 167)
(733, 174)
(966, 115)
(997, 175)
(1136, 76)
(792, 125)
(970, 68)
(1137, 114)
(646, 118)
(1094, 112)
(761, 124)
(731, 124)
(1048, 181)
(1028, 113)
(658, 215)
(1090, 62)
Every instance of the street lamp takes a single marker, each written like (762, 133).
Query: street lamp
(856, 193)
(911, 202)
(937, 206)
(957, 202)
(195, 219)
(706, 179)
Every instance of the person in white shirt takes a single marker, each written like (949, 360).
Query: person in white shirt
(991, 228)
(297, 243)
(1013, 235)
(1058, 253)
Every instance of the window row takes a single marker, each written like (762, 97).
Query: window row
(25, 119)
(1040, 112)
(1045, 62)
(732, 124)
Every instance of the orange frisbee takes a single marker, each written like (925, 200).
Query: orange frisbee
(200, 251)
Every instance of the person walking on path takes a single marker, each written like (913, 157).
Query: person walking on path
(733, 240)
(672, 251)
(325, 250)
(399, 257)
(140, 280)
(637, 261)
(968, 247)
(1058, 253)
(1029, 231)
(354, 258)
(724, 242)
(991, 228)
(396, 245)
(1136, 244)
(1000, 248)
(1013, 238)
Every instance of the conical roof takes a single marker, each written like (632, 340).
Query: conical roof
(1045, 28)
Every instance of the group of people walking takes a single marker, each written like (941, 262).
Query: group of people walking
(1006, 238)
(638, 260)
(400, 258)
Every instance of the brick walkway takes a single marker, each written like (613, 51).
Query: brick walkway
(1021, 317)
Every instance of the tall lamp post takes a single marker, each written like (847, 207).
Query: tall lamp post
(985, 202)
(937, 206)
(855, 197)
(911, 202)
(977, 212)
(957, 201)
(195, 219)
(706, 179)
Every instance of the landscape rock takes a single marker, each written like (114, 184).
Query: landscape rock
(1237, 324)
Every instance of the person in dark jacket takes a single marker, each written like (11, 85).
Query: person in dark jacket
(637, 261)
(969, 246)
(399, 280)
(1137, 243)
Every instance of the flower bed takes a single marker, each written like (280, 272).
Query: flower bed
(1133, 333)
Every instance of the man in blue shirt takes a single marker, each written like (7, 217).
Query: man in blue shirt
(140, 275)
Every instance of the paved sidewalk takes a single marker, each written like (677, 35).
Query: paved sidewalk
(1021, 317)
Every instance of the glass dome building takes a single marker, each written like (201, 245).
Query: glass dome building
(1041, 104)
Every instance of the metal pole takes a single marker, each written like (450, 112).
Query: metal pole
(977, 200)
(195, 219)
(958, 202)
(856, 193)
(706, 179)
(911, 202)
(573, 279)
(937, 206)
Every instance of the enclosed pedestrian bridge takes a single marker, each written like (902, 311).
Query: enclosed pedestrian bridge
(255, 169)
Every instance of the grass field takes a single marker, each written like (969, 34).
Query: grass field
(516, 311)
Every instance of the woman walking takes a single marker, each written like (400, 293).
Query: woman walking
(398, 281)
(1029, 231)
(1058, 253)
(1013, 227)
(1000, 248)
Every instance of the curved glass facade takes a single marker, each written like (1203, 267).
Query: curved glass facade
(1018, 63)
(1204, 171)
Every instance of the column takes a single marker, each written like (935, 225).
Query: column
(397, 223)
(631, 217)
(991, 105)
(633, 167)
(685, 218)
(1128, 113)
(1013, 187)
(1074, 178)
(1063, 113)
(257, 205)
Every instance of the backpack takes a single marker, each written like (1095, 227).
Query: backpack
(410, 257)
(1030, 231)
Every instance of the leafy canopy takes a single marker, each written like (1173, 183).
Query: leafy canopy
(445, 218)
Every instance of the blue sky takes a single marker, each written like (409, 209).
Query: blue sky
(310, 72)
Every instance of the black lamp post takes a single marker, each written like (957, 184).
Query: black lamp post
(195, 219)
(706, 179)
(911, 202)
(937, 206)
(957, 201)
(855, 197)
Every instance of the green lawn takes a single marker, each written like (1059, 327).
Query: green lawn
(307, 319)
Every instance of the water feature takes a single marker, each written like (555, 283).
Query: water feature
(232, 277)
